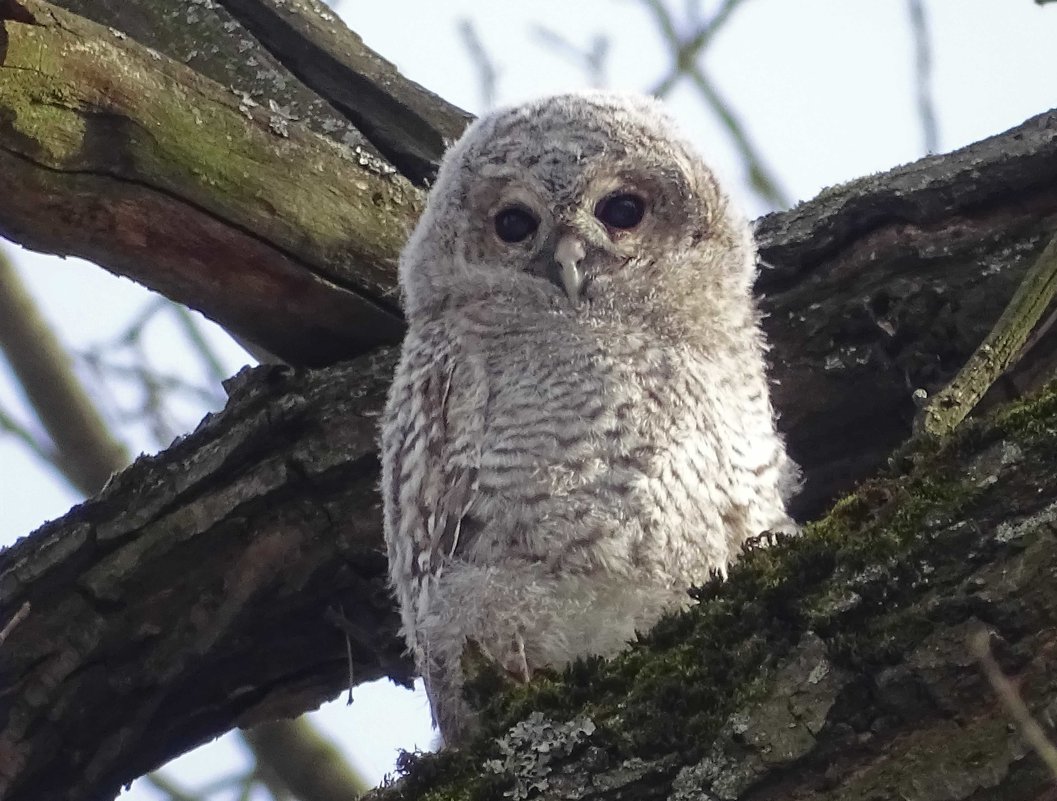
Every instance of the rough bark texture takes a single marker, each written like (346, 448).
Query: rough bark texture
(232, 578)
(224, 582)
(113, 152)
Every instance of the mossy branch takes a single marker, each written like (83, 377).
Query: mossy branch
(111, 151)
(834, 665)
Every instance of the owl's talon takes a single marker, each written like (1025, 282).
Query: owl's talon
(526, 674)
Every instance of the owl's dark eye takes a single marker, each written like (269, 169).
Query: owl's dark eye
(623, 211)
(515, 224)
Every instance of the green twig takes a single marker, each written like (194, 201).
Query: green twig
(1002, 347)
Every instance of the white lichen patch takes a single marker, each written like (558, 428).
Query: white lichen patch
(532, 749)
(770, 734)
(1009, 532)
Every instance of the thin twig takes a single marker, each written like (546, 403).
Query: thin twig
(12, 624)
(686, 52)
(593, 60)
(200, 344)
(164, 784)
(923, 75)
(487, 74)
(760, 176)
(38, 448)
(1030, 730)
(171, 384)
(690, 48)
(348, 657)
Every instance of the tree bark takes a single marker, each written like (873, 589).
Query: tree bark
(237, 576)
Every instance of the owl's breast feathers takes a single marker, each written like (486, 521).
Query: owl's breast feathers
(584, 449)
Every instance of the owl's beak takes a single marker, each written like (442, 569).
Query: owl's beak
(568, 254)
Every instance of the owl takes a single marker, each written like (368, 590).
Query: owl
(579, 428)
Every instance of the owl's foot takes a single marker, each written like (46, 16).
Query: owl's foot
(522, 671)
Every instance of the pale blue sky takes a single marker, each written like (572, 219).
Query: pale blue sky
(825, 87)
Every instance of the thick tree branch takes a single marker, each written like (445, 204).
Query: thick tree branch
(299, 55)
(192, 594)
(834, 666)
(410, 126)
(886, 284)
(114, 153)
(280, 252)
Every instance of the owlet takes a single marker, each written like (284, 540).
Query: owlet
(579, 428)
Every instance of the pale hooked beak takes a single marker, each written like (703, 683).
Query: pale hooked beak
(567, 256)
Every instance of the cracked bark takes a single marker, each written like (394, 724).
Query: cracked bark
(214, 585)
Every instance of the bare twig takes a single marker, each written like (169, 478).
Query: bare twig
(487, 74)
(173, 384)
(86, 452)
(38, 448)
(19, 616)
(686, 52)
(164, 784)
(923, 75)
(199, 343)
(690, 48)
(592, 59)
(1030, 730)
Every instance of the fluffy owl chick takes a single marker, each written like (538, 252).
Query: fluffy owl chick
(579, 428)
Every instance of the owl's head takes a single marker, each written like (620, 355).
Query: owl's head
(580, 203)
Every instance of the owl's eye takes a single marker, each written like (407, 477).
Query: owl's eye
(515, 224)
(623, 211)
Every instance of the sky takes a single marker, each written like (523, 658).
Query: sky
(825, 89)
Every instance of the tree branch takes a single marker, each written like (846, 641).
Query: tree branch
(409, 125)
(191, 595)
(199, 590)
(299, 55)
(833, 666)
(114, 153)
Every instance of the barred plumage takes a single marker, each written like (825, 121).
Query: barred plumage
(579, 428)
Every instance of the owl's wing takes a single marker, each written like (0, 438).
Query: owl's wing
(431, 448)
